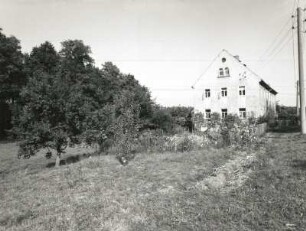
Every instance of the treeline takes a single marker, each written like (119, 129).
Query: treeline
(286, 113)
(50, 99)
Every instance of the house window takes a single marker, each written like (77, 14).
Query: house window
(242, 112)
(221, 72)
(223, 113)
(207, 113)
(207, 93)
(226, 71)
(224, 92)
(242, 90)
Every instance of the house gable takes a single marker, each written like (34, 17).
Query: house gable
(229, 84)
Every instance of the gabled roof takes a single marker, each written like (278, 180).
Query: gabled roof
(260, 80)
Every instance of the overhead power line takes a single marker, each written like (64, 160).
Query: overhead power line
(272, 44)
(207, 68)
(280, 42)
(280, 47)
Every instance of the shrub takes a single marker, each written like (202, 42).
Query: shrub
(123, 131)
(185, 144)
(231, 131)
(152, 141)
(156, 141)
(198, 120)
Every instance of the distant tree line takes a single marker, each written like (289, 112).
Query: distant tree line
(286, 112)
(51, 99)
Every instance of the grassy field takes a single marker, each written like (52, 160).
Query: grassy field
(200, 190)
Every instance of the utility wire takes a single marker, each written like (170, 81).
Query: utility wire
(279, 43)
(207, 68)
(276, 43)
(275, 40)
(280, 49)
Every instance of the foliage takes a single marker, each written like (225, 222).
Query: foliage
(69, 101)
(11, 68)
(42, 121)
(55, 108)
(162, 119)
(287, 113)
(43, 58)
(182, 116)
(12, 78)
(269, 117)
(151, 141)
(157, 141)
(185, 144)
(172, 120)
(123, 131)
(198, 120)
(232, 131)
(75, 59)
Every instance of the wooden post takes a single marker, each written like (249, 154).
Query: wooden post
(297, 99)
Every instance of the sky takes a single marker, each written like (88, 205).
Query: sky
(167, 44)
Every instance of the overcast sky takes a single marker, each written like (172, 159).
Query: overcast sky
(165, 44)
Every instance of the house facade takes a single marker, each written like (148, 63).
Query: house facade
(230, 87)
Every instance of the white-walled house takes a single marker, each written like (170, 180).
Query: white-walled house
(230, 87)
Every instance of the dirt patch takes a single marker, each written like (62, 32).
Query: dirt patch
(231, 175)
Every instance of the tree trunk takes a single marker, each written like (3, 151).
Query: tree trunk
(57, 160)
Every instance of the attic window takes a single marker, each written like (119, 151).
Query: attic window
(226, 71)
(223, 60)
(221, 72)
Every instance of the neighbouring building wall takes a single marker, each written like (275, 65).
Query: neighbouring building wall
(267, 101)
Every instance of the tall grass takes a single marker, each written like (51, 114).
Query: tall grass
(156, 192)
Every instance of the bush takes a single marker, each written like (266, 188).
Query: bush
(232, 131)
(152, 141)
(124, 129)
(220, 133)
(185, 144)
(156, 141)
(198, 120)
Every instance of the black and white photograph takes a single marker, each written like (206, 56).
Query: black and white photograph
(152, 115)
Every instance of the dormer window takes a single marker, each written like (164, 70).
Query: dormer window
(221, 72)
(226, 71)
